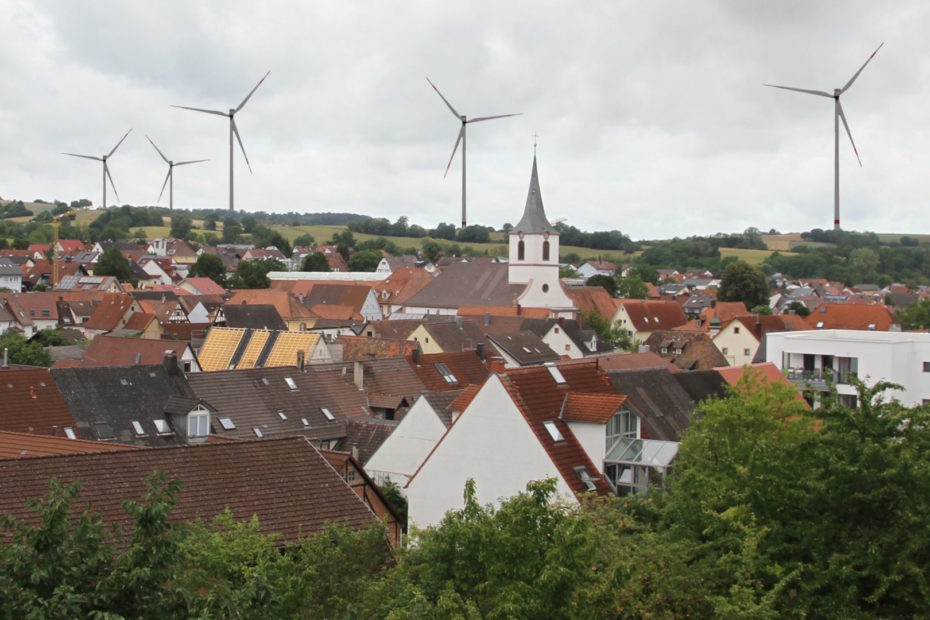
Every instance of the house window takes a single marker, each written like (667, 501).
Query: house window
(327, 414)
(520, 250)
(69, 433)
(227, 424)
(162, 427)
(258, 432)
(677, 350)
(350, 475)
(137, 428)
(746, 352)
(664, 350)
(726, 350)
(545, 250)
(291, 384)
(926, 366)
(624, 423)
(736, 330)
(198, 423)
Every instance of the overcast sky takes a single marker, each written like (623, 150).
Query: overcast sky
(652, 117)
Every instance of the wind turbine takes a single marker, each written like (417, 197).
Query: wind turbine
(232, 131)
(106, 169)
(170, 176)
(837, 116)
(465, 121)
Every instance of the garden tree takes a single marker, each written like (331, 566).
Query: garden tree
(606, 282)
(365, 260)
(113, 263)
(432, 250)
(645, 272)
(743, 282)
(22, 351)
(344, 242)
(209, 222)
(181, 226)
(798, 308)
(304, 240)
(567, 271)
(916, 315)
(631, 287)
(763, 309)
(610, 333)
(315, 262)
(210, 266)
(232, 230)
(254, 273)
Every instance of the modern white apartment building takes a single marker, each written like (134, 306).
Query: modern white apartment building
(810, 358)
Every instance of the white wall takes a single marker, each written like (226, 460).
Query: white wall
(491, 443)
(407, 446)
(593, 438)
(562, 344)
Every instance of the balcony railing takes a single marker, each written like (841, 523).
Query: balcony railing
(818, 377)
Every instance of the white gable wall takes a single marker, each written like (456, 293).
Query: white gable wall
(593, 438)
(407, 446)
(491, 443)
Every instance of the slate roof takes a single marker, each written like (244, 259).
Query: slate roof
(525, 347)
(113, 351)
(365, 435)
(31, 403)
(105, 401)
(468, 284)
(466, 368)
(286, 483)
(534, 219)
(540, 399)
(254, 398)
(663, 404)
(9, 268)
(25, 445)
(253, 316)
(702, 384)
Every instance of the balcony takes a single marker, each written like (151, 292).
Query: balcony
(818, 378)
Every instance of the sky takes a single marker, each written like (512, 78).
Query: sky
(651, 117)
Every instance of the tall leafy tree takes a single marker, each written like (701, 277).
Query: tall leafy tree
(210, 266)
(314, 262)
(743, 282)
(113, 263)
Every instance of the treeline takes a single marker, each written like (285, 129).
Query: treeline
(772, 510)
(598, 240)
(401, 228)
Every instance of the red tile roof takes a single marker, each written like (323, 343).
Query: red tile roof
(593, 299)
(22, 445)
(31, 403)
(401, 285)
(631, 361)
(112, 308)
(649, 315)
(596, 408)
(841, 316)
(365, 347)
(205, 286)
(502, 311)
(464, 399)
(466, 367)
(113, 351)
(286, 483)
(139, 321)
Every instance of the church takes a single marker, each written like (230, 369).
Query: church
(529, 281)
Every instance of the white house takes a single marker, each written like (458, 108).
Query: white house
(593, 268)
(809, 358)
(11, 276)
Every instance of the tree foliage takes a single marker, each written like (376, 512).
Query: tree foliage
(743, 282)
(254, 273)
(314, 262)
(22, 351)
(113, 263)
(210, 266)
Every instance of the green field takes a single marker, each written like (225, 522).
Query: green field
(753, 257)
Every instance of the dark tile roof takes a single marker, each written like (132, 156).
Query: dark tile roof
(702, 384)
(663, 404)
(253, 316)
(286, 483)
(687, 350)
(105, 401)
(31, 403)
(392, 376)
(468, 284)
(441, 402)
(113, 351)
(525, 347)
(459, 335)
(365, 435)
(252, 398)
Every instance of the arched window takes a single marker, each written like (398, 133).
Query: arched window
(520, 250)
(545, 250)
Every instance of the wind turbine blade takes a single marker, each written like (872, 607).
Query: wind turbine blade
(236, 131)
(84, 156)
(491, 118)
(853, 78)
(217, 112)
(457, 115)
(193, 161)
(106, 169)
(159, 150)
(164, 185)
(848, 133)
(118, 143)
(247, 97)
(454, 149)
(801, 90)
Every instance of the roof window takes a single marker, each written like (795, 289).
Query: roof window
(104, 430)
(305, 421)
(265, 381)
(290, 383)
(553, 431)
(69, 433)
(329, 415)
(258, 432)
(137, 428)
(161, 426)
(124, 381)
(585, 478)
(556, 374)
(282, 415)
(227, 424)
(446, 373)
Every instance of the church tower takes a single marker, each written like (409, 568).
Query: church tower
(534, 256)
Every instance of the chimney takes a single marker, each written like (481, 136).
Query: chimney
(416, 355)
(6, 357)
(487, 319)
(138, 358)
(301, 356)
(458, 321)
(518, 309)
(358, 375)
(171, 364)
(479, 349)
(644, 348)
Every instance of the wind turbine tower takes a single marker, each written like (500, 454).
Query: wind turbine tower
(106, 168)
(465, 121)
(170, 177)
(837, 117)
(233, 131)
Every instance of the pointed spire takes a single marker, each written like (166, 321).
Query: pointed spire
(534, 216)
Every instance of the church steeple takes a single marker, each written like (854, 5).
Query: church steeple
(534, 219)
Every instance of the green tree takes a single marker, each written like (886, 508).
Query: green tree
(743, 282)
(365, 260)
(181, 226)
(113, 263)
(22, 351)
(254, 273)
(210, 266)
(798, 308)
(315, 262)
(304, 240)
(632, 287)
(916, 315)
(232, 230)
(645, 272)
(605, 282)
(432, 250)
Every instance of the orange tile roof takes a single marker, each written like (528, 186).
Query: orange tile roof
(593, 299)
(402, 284)
(139, 321)
(596, 408)
(842, 316)
(21, 445)
(31, 403)
(113, 351)
(107, 315)
(464, 399)
(649, 315)
(529, 313)
(725, 311)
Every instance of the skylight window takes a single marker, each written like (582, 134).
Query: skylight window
(329, 414)
(819, 323)
(446, 373)
(282, 415)
(137, 428)
(124, 381)
(161, 426)
(69, 433)
(553, 431)
(258, 432)
(585, 478)
(290, 383)
(527, 349)
(265, 381)
(227, 424)
(556, 374)
(305, 421)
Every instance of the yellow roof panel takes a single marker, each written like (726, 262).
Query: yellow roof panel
(284, 352)
(218, 348)
(254, 348)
